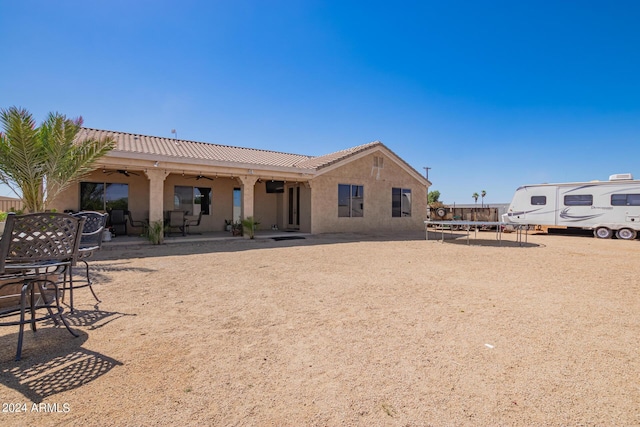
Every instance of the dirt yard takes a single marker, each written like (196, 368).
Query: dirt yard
(342, 331)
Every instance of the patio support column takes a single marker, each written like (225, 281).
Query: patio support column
(156, 194)
(248, 183)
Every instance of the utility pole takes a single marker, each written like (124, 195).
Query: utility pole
(426, 168)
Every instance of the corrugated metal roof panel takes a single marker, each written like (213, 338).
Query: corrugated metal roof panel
(328, 159)
(143, 144)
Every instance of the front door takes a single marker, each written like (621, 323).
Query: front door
(294, 207)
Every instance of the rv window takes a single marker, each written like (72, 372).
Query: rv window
(625, 200)
(538, 200)
(578, 200)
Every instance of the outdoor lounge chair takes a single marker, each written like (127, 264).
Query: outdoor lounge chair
(144, 224)
(192, 221)
(177, 220)
(90, 241)
(35, 250)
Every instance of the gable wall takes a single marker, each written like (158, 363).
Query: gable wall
(377, 197)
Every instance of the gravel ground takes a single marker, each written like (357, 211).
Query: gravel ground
(338, 330)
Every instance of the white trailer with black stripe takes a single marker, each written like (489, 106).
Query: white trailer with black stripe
(606, 207)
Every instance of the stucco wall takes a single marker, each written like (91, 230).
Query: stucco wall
(377, 197)
(304, 213)
(208, 222)
(138, 192)
(305, 209)
(265, 206)
(68, 199)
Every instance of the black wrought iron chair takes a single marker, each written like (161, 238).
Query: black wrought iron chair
(192, 221)
(35, 250)
(90, 242)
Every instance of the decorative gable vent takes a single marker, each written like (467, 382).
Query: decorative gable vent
(378, 163)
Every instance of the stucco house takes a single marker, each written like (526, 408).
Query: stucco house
(360, 189)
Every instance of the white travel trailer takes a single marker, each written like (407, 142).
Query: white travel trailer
(606, 207)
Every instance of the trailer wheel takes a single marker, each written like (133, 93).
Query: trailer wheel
(603, 233)
(626, 234)
(441, 212)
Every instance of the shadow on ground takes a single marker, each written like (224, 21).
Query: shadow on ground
(53, 362)
(481, 238)
(236, 245)
(93, 319)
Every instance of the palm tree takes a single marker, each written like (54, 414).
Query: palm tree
(483, 193)
(39, 162)
(475, 198)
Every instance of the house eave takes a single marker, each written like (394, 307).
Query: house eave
(178, 164)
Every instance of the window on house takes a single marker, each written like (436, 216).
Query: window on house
(578, 200)
(538, 200)
(400, 202)
(192, 199)
(103, 196)
(350, 200)
(625, 200)
(237, 204)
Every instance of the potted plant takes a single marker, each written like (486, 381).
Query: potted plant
(228, 224)
(236, 228)
(249, 225)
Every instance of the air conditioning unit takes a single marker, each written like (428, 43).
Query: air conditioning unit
(620, 177)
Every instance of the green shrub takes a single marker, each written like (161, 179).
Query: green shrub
(249, 226)
(155, 233)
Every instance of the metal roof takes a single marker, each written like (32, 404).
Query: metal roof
(184, 150)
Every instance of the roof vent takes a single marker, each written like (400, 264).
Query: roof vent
(620, 177)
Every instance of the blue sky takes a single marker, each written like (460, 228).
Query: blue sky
(490, 95)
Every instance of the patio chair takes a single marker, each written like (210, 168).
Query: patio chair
(35, 250)
(177, 220)
(90, 241)
(144, 224)
(192, 221)
(118, 221)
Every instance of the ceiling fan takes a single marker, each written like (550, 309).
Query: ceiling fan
(121, 171)
(199, 177)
